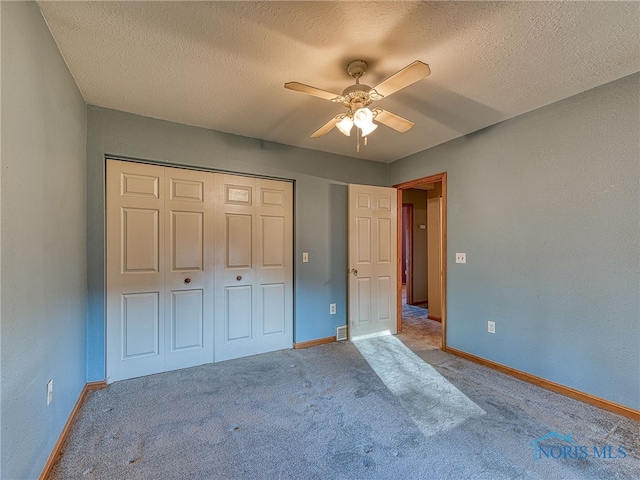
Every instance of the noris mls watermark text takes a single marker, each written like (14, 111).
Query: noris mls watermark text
(554, 446)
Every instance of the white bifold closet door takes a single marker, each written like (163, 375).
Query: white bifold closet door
(254, 274)
(159, 269)
(172, 283)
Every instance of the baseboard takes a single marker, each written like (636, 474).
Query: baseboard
(437, 319)
(57, 449)
(549, 385)
(314, 343)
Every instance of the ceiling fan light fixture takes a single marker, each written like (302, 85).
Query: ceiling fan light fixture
(363, 118)
(367, 129)
(345, 125)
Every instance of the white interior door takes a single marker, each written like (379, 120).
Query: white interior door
(373, 223)
(254, 278)
(274, 273)
(189, 262)
(135, 270)
(159, 269)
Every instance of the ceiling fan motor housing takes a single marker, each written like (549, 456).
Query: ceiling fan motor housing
(356, 96)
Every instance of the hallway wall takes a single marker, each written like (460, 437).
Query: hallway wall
(418, 198)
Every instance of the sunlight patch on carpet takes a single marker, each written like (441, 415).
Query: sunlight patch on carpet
(433, 403)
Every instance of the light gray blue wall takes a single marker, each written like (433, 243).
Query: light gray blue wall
(546, 206)
(43, 278)
(320, 207)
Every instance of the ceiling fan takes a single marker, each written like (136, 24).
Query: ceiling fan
(358, 97)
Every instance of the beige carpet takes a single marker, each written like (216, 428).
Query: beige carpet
(324, 413)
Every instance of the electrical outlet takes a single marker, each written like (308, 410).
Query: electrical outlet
(332, 309)
(491, 327)
(461, 258)
(305, 257)
(49, 391)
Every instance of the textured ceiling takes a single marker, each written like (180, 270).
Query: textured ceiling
(222, 65)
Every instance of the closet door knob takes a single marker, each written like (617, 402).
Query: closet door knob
(239, 277)
(187, 280)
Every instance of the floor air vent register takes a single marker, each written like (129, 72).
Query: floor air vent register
(341, 333)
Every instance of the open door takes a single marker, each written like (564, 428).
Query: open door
(434, 255)
(373, 247)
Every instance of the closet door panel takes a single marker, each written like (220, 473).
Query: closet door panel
(189, 277)
(254, 314)
(135, 270)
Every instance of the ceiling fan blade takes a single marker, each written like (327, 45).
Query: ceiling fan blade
(316, 92)
(327, 127)
(392, 120)
(399, 80)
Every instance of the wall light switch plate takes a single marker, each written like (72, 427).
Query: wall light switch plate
(491, 327)
(305, 257)
(461, 258)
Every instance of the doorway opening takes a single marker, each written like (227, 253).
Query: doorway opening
(422, 258)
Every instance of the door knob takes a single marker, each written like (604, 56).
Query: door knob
(354, 271)
(239, 277)
(187, 280)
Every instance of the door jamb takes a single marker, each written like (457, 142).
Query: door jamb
(440, 177)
